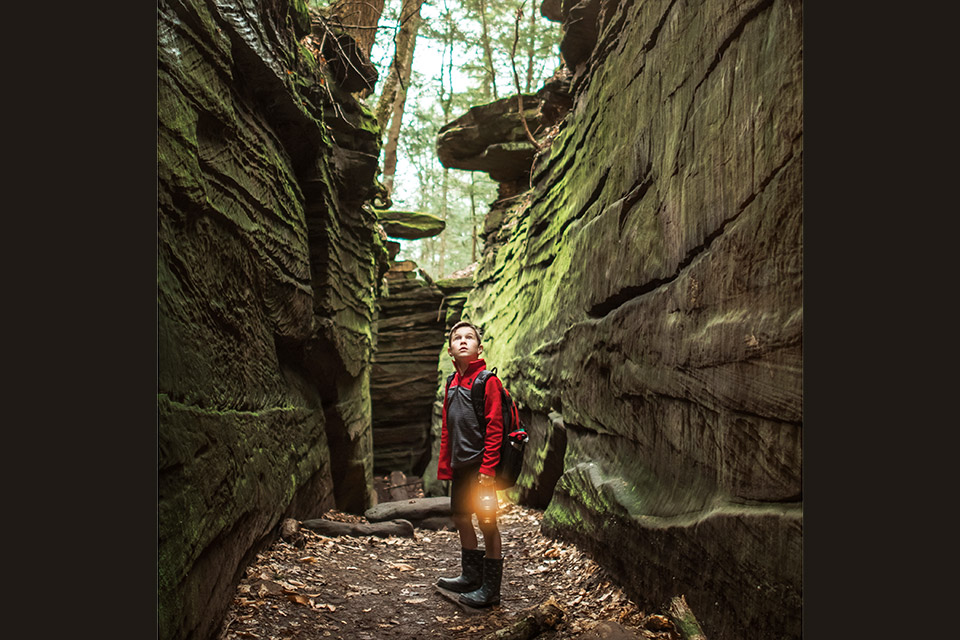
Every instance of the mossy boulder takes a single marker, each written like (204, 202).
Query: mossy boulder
(453, 286)
(410, 225)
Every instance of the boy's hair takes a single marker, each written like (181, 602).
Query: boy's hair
(464, 323)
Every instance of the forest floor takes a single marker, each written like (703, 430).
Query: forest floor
(373, 588)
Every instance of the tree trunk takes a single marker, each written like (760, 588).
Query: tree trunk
(393, 139)
(443, 215)
(446, 95)
(531, 48)
(531, 622)
(473, 218)
(491, 86)
(358, 18)
(399, 74)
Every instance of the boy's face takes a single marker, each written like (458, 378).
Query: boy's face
(464, 345)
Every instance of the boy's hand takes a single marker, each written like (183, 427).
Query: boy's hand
(486, 480)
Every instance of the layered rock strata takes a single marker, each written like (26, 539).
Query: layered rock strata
(404, 375)
(268, 267)
(492, 138)
(643, 302)
(409, 330)
(410, 225)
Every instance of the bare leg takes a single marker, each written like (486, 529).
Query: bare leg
(468, 535)
(491, 539)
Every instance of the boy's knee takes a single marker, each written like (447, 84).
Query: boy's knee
(461, 520)
(489, 529)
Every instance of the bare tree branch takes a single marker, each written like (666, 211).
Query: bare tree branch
(516, 77)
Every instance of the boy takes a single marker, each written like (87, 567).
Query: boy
(468, 456)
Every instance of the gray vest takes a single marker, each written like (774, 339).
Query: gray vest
(463, 431)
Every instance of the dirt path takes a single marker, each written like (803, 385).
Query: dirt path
(369, 588)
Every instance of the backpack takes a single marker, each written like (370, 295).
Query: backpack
(514, 435)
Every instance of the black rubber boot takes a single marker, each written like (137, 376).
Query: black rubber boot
(489, 592)
(471, 572)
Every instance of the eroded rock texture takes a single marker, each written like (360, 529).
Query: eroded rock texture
(492, 138)
(267, 272)
(643, 302)
(404, 377)
(410, 225)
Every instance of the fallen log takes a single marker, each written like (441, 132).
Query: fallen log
(332, 528)
(682, 616)
(415, 509)
(530, 622)
(435, 523)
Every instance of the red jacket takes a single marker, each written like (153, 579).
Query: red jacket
(493, 410)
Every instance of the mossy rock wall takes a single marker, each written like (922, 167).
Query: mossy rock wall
(267, 272)
(643, 302)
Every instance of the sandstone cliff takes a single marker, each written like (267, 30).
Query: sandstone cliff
(404, 375)
(268, 267)
(643, 302)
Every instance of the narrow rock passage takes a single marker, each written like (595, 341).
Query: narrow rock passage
(368, 588)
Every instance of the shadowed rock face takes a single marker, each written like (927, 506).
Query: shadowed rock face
(404, 378)
(267, 275)
(491, 138)
(409, 329)
(580, 30)
(643, 304)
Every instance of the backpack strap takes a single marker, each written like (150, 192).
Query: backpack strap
(446, 388)
(478, 397)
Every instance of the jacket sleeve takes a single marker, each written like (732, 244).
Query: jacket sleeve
(444, 471)
(493, 411)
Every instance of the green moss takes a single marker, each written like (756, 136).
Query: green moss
(410, 225)
(307, 57)
(367, 121)
(559, 517)
(300, 14)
